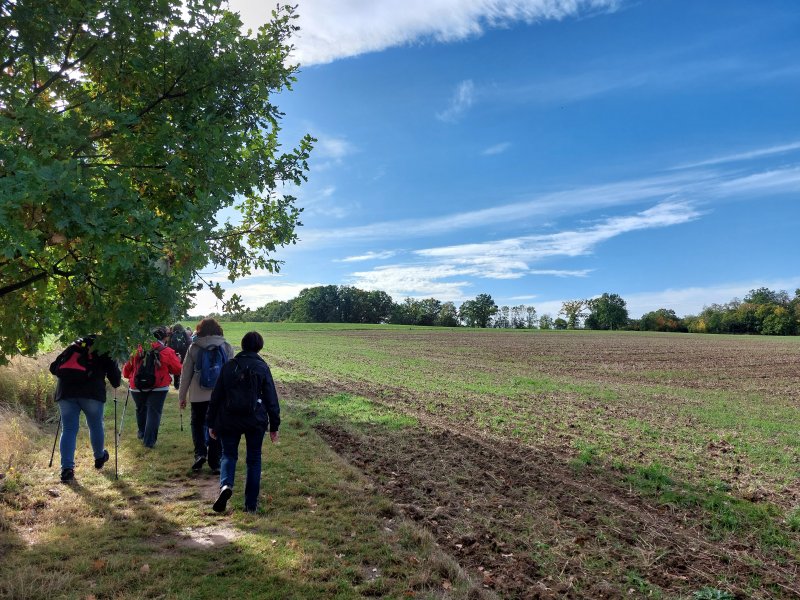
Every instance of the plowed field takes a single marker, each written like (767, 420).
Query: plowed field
(574, 464)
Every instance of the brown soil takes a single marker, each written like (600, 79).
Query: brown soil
(532, 525)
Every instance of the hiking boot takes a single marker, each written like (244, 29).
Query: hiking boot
(198, 463)
(214, 468)
(67, 475)
(99, 462)
(224, 495)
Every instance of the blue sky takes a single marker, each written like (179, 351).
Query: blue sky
(544, 150)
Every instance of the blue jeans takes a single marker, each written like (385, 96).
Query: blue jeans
(230, 454)
(70, 420)
(148, 414)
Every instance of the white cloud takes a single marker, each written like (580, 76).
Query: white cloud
(691, 300)
(496, 149)
(331, 30)
(510, 258)
(700, 187)
(538, 209)
(749, 155)
(332, 148)
(401, 281)
(254, 294)
(462, 99)
(369, 256)
(561, 272)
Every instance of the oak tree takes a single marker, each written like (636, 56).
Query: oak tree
(125, 128)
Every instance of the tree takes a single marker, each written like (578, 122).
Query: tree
(606, 312)
(560, 323)
(448, 315)
(530, 317)
(662, 319)
(573, 310)
(125, 127)
(545, 322)
(478, 312)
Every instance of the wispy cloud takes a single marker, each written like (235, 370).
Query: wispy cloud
(749, 155)
(701, 187)
(462, 99)
(511, 258)
(334, 30)
(369, 256)
(332, 147)
(496, 149)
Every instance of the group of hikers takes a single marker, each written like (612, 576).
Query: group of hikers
(230, 396)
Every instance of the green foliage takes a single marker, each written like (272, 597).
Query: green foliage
(606, 312)
(662, 319)
(573, 310)
(478, 312)
(125, 127)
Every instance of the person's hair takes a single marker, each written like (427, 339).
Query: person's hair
(252, 342)
(208, 327)
(160, 332)
(177, 327)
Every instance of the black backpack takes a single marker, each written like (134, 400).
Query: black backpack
(242, 396)
(74, 364)
(179, 343)
(145, 378)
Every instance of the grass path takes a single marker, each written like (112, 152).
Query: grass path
(322, 531)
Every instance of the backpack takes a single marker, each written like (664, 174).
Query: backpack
(179, 343)
(74, 364)
(145, 378)
(209, 365)
(242, 396)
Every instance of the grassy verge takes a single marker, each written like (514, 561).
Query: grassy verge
(322, 531)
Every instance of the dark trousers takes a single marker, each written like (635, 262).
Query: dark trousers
(203, 444)
(149, 406)
(230, 455)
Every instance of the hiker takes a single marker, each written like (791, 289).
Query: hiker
(81, 386)
(148, 374)
(244, 401)
(197, 387)
(179, 340)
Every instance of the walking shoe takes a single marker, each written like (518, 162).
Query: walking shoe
(99, 462)
(214, 468)
(67, 475)
(224, 495)
(198, 463)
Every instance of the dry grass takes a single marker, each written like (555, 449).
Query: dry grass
(26, 384)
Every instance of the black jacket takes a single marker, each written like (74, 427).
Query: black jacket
(103, 366)
(268, 412)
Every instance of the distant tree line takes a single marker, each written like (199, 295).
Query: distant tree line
(763, 311)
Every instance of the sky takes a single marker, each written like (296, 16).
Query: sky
(543, 150)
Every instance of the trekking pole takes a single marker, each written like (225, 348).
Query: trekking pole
(122, 420)
(53, 453)
(116, 439)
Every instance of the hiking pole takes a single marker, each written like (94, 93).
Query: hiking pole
(53, 453)
(181, 413)
(122, 420)
(116, 439)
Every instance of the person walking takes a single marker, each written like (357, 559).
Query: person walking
(244, 402)
(149, 374)
(179, 339)
(81, 374)
(209, 340)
